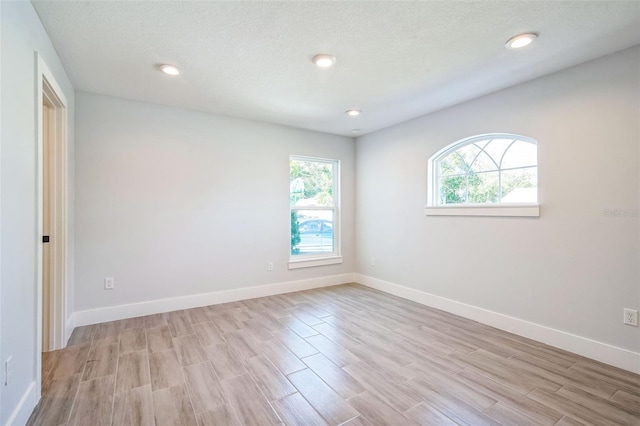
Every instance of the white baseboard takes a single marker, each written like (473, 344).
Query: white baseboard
(24, 408)
(612, 355)
(112, 313)
(68, 328)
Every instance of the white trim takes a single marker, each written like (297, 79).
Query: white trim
(25, 407)
(112, 313)
(46, 82)
(318, 261)
(69, 326)
(521, 210)
(603, 352)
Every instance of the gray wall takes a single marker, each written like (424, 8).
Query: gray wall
(572, 269)
(172, 202)
(21, 35)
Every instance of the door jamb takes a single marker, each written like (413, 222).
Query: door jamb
(46, 86)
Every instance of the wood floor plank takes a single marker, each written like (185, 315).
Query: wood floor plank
(378, 412)
(563, 404)
(508, 415)
(207, 333)
(384, 386)
(81, 335)
(225, 361)
(336, 335)
(155, 321)
(203, 386)
(630, 401)
(443, 382)
(339, 380)
(295, 410)
(171, 407)
(225, 322)
(70, 361)
(271, 381)
(425, 414)
(298, 327)
(133, 340)
(49, 360)
(248, 402)
(222, 415)
(197, 315)
(282, 357)
(102, 361)
(133, 371)
(324, 400)
(454, 408)
(94, 402)
(243, 345)
(295, 343)
(134, 407)
(560, 374)
(189, 350)
(179, 323)
(164, 370)
(500, 392)
(56, 403)
(619, 414)
(336, 353)
(159, 339)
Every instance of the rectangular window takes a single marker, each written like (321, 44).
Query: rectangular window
(314, 202)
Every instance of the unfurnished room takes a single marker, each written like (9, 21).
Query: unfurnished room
(319, 213)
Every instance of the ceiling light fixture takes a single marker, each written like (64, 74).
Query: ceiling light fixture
(169, 69)
(355, 131)
(521, 41)
(324, 60)
(353, 112)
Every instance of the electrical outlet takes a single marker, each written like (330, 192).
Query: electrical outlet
(109, 283)
(631, 317)
(373, 261)
(269, 266)
(7, 370)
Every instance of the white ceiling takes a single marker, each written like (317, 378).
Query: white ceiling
(395, 60)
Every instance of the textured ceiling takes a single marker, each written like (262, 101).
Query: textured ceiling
(395, 60)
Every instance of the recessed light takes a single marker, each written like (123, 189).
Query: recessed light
(353, 112)
(324, 60)
(521, 41)
(169, 69)
(355, 131)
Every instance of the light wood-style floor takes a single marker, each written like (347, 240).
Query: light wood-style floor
(339, 355)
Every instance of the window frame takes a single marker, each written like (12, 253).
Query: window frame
(433, 208)
(320, 259)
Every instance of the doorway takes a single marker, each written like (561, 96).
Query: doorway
(51, 309)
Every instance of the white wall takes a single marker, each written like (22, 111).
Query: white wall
(21, 35)
(574, 268)
(172, 202)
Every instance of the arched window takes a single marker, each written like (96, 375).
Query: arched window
(486, 170)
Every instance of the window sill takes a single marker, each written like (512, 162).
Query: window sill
(308, 263)
(504, 210)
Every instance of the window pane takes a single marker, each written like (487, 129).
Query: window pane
(452, 189)
(520, 186)
(482, 188)
(520, 154)
(452, 164)
(312, 232)
(496, 148)
(310, 183)
(483, 163)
